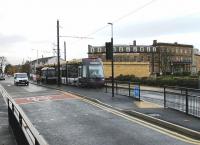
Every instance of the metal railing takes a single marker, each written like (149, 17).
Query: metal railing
(124, 88)
(183, 99)
(179, 98)
(24, 132)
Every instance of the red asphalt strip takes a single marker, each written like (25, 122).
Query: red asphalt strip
(36, 99)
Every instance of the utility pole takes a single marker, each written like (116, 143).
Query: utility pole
(65, 50)
(58, 53)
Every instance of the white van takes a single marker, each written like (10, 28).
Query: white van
(21, 78)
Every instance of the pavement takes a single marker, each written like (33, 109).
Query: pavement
(165, 117)
(6, 135)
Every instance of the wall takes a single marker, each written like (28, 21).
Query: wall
(139, 69)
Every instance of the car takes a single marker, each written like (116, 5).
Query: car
(21, 78)
(2, 77)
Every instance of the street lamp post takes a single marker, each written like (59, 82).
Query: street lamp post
(112, 64)
(58, 53)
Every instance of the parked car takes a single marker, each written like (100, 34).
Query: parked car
(2, 77)
(21, 78)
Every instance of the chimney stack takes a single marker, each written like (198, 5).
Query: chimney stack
(134, 43)
(154, 42)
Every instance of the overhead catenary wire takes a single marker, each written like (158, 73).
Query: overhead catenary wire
(115, 21)
(121, 18)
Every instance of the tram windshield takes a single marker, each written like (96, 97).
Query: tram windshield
(96, 71)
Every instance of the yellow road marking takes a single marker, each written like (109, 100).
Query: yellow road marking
(146, 124)
(142, 104)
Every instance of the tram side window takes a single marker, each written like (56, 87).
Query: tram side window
(84, 71)
(63, 73)
(72, 71)
(79, 71)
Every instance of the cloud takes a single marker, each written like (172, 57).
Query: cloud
(7, 40)
(171, 26)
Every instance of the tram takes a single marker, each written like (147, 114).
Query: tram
(48, 75)
(85, 72)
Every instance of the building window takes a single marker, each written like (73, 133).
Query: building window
(91, 49)
(185, 51)
(181, 51)
(176, 50)
(99, 49)
(120, 49)
(128, 49)
(114, 49)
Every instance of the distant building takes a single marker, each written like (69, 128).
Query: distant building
(174, 57)
(160, 58)
(196, 62)
(44, 61)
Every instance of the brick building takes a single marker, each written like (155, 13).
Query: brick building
(161, 58)
(196, 62)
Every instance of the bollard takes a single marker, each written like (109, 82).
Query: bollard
(164, 97)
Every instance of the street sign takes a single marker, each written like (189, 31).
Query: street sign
(136, 90)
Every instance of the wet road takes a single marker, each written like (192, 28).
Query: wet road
(62, 118)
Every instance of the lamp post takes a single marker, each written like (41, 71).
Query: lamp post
(112, 64)
(58, 53)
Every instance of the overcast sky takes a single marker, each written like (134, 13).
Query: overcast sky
(30, 25)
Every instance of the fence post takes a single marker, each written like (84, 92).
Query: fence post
(139, 90)
(8, 111)
(164, 97)
(186, 99)
(13, 108)
(36, 142)
(106, 86)
(20, 119)
(116, 85)
(129, 89)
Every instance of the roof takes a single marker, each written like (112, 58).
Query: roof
(43, 59)
(173, 44)
(45, 68)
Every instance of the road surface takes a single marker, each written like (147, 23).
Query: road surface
(62, 118)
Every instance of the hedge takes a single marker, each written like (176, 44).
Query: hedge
(161, 81)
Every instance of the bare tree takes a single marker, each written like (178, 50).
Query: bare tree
(3, 62)
(165, 61)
